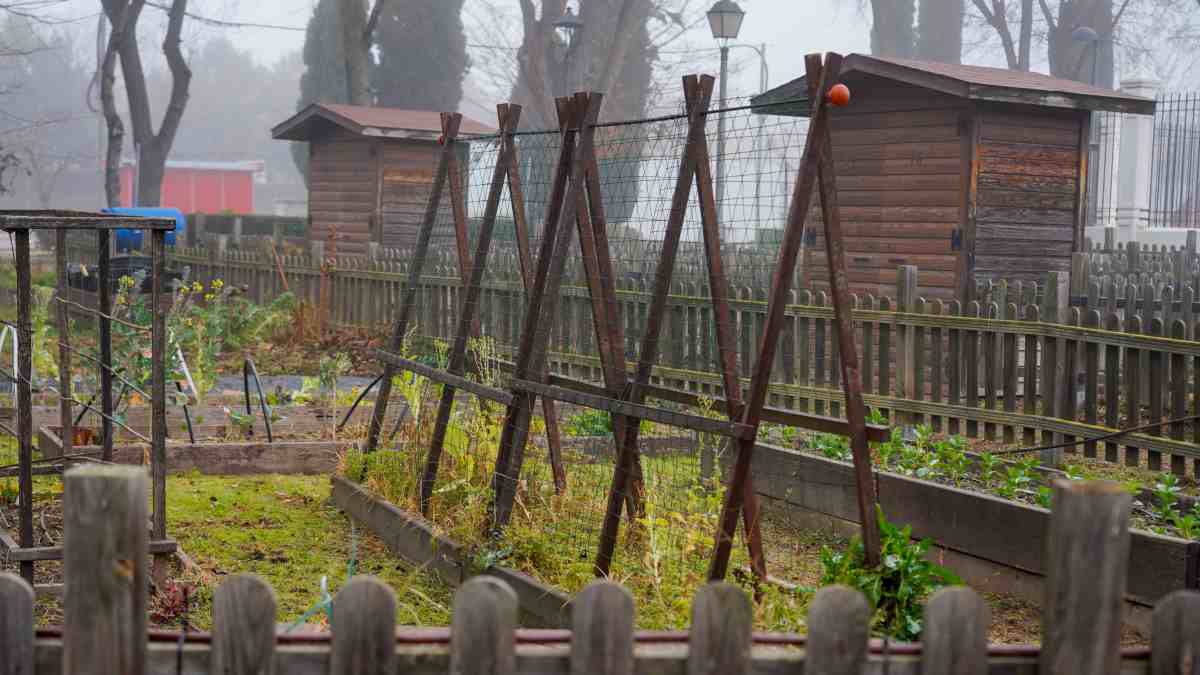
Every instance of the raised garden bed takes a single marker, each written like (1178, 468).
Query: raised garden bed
(416, 542)
(255, 456)
(1000, 531)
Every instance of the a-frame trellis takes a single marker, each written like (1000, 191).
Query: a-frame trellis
(575, 194)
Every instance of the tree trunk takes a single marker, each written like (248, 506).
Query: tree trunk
(939, 31)
(1074, 60)
(352, 15)
(892, 28)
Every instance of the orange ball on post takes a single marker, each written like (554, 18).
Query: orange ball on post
(839, 95)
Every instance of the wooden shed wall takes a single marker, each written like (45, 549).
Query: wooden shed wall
(341, 190)
(1027, 192)
(901, 179)
(406, 180)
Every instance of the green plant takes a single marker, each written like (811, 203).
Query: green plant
(898, 586)
(1188, 523)
(831, 446)
(988, 465)
(1015, 479)
(1166, 493)
(588, 422)
(887, 452)
(1045, 496)
(953, 457)
(8, 491)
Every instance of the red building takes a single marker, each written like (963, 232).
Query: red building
(202, 187)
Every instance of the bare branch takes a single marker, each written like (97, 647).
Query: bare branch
(181, 76)
(373, 21)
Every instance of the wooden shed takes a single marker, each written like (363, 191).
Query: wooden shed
(370, 170)
(969, 173)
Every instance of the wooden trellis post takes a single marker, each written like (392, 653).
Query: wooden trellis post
(817, 163)
(450, 125)
(467, 317)
(581, 111)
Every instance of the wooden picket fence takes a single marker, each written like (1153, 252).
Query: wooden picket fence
(105, 618)
(1109, 346)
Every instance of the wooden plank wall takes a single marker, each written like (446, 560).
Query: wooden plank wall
(341, 190)
(899, 160)
(406, 180)
(1027, 185)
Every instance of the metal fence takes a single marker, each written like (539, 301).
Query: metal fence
(1175, 165)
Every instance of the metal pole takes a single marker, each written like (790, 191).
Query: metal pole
(721, 138)
(760, 139)
(24, 397)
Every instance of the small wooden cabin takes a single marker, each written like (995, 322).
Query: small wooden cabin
(969, 173)
(370, 170)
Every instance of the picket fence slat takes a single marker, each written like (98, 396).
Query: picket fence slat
(481, 629)
(838, 634)
(243, 639)
(956, 625)
(16, 625)
(720, 638)
(602, 631)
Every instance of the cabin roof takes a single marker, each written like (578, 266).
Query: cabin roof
(980, 83)
(318, 118)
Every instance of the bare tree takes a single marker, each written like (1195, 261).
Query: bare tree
(152, 146)
(358, 28)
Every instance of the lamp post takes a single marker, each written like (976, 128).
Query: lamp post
(567, 26)
(1088, 36)
(725, 20)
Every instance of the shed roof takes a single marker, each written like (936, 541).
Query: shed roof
(973, 82)
(370, 121)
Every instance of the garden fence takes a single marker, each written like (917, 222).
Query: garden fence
(105, 618)
(1053, 362)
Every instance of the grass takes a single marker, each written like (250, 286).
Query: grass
(284, 529)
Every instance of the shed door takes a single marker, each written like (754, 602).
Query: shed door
(405, 193)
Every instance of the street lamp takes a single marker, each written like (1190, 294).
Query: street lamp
(567, 26)
(725, 20)
(1088, 36)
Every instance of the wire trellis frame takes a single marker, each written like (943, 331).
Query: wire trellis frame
(575, 193)
(19, 224)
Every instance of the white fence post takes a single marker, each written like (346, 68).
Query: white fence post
(1134, 161)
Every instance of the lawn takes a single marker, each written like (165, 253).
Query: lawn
(284, 529)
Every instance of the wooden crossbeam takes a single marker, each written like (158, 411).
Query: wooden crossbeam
(705, 425)
(445, 377)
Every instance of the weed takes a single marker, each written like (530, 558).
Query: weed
(1045, 496)
(898, 586)
(1188, 523)
(588, 422)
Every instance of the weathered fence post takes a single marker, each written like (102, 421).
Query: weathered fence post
(481, 628)
(195, 230)
(954, 637)
(1110, 239)
(1055, 302)
(839, 621)
(906, 344)
(237, 231)
(16, 625)
(243, 637)
(1174, 634)
(1087, 559)
(720, 639)
(602, 630)
(364, 629)
(105, 550)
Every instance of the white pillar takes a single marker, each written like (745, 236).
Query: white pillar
(1133, 171)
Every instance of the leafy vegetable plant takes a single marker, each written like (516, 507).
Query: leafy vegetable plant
(898, 586)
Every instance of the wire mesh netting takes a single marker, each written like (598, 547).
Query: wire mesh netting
(670, 513)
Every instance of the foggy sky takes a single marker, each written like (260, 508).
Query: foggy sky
(789, 28)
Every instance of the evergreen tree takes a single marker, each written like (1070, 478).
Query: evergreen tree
(422, 55)
(324, 78)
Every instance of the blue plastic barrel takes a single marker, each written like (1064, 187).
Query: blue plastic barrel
(131, 240)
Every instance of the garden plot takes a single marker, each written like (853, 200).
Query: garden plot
(279, 527)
